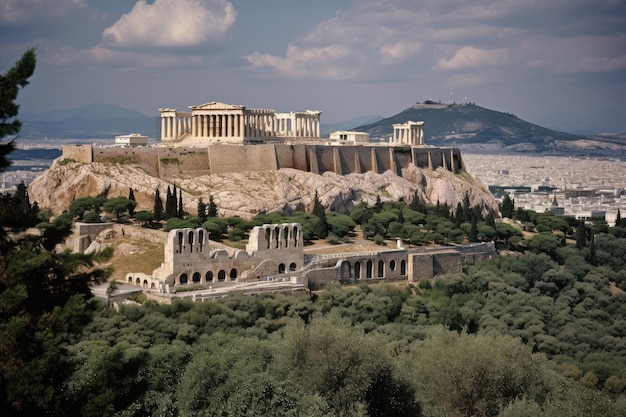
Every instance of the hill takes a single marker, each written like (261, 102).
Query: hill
(472, 127)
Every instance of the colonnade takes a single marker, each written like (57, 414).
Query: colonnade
(220, 120)
(409, 133)
(299, 124)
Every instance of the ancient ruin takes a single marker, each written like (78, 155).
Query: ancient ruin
(274, 260)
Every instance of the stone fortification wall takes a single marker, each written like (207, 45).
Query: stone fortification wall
(220, 158)
(80, 153)
(235, 158)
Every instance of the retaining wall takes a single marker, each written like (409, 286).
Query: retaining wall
(220, 158)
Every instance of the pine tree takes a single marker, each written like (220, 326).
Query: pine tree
(158, 206)
(212, 209)
(44, 294)
(202, 211)
(131, 196)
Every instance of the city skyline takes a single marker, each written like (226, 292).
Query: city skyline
(541, 60)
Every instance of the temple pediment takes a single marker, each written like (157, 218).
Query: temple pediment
(216, 105)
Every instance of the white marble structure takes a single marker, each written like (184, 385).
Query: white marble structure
(343, 136)
(409, 133)
(233, 123)
(133, 139)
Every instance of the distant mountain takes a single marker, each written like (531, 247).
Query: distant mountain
(469, 126)
(92, 121)
(327, 128)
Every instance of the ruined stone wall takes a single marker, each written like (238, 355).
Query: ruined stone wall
(79, 153)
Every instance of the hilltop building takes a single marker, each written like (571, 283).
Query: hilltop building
(133, 139)
(233, 123)
(346, 136)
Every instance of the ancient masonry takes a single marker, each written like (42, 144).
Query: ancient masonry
(274, 260)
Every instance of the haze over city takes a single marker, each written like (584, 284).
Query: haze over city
(548, 62)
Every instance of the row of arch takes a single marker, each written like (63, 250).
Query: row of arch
(282, 236)
(370, 269)
(209, 276)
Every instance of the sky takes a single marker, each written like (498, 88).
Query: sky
(542, 60)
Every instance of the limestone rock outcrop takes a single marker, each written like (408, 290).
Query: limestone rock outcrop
(248, 193)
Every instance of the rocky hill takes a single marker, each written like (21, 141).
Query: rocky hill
(248, 193)
(469, 126)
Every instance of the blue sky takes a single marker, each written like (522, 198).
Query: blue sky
(539, 59)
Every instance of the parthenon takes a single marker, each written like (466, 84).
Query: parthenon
(234, 123)
(409, 133)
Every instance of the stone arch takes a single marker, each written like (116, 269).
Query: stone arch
(285, 237)
(183, 279)
(268, 237)
(233, 273)
(152, 286)
(275, 239)
(196, 277)
(281, 268)
(145, 283)
(292, 266)
(357, 269)
(180, 242)
(208, 277)
(381, 268)
(138, 281)
(403, 267)
(392, 265)
(221, 276)
(190, 240)
(344, 270)
(130, 279)
(201, 240)
(368, 269)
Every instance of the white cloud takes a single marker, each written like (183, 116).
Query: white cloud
(171, 23)
(333, 62)
(469, 57)
(399, 52)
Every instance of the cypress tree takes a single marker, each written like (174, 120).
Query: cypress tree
(473, 234)
(181, 210)
(131, 208)
(212, 209)
(321, 227)
(174, 202)
(581, 235)
(618, 219)
(202, 211)
(158, 206)
(170, 204)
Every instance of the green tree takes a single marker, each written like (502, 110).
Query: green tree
(44, 294)
(212, 208)
(581, 235)
(118, 206)
(181, 209)
(507, 207)
(158, 206)
(321, 227)
(202, 211)
(131, 197)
